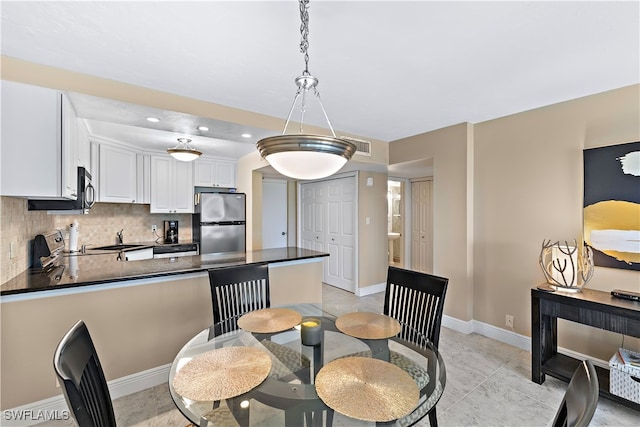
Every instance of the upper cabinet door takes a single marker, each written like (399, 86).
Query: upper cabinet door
(118, 175)
(214, 173)
(31, 150)
(225, 174)
(83, 147)
(171, 185)
(70, 135)
(183, 187)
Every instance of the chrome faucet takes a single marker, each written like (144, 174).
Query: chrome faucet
(120, 237)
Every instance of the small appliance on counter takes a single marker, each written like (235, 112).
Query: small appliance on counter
(171, 231)
(47, 249)
(47, 252)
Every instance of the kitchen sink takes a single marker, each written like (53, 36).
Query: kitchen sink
(117, 247)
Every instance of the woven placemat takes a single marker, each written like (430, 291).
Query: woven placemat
(222, 373)
(372, 326)
(367, 389)
(269, 320)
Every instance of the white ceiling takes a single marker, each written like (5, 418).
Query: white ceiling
(387, 69)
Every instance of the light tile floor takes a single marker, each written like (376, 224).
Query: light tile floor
(488, 384)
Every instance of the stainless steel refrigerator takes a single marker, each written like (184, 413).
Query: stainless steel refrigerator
(219, 222)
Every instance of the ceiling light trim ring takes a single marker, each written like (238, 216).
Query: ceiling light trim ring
(306, 142)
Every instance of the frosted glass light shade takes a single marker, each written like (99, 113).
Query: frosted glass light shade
(184, 155)
(306, 164)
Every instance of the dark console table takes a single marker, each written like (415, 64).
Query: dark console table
(589, 307)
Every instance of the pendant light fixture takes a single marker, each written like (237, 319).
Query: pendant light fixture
(184, 151)
(301, 155)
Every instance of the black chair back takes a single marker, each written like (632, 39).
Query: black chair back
(416, 300)
(581, 398)
(235, 291)
(83, 382)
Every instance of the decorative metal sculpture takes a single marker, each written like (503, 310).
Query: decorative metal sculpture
(564, 266)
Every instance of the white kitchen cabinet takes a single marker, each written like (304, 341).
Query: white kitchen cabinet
(214, 173)
(83, 147)
(118, 182)
(171, 185)
(38, 148)
(143, 188)
(69, 148)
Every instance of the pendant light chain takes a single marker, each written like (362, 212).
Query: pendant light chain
(300, 155)
(304, 32)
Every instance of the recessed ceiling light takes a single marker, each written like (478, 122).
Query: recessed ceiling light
(203, 128)
(153, 119)
(246, 135)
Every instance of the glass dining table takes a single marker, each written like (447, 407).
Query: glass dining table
(316, 394)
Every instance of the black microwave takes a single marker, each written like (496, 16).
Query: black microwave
(82, 204)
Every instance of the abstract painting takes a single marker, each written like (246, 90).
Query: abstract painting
(612, 205)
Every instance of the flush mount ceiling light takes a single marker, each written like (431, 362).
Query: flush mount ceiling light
(184, 151)
(301, 155)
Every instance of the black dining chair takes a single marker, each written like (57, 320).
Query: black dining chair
(83, 382)
(581, 398)
(416, 301)
(238, 290)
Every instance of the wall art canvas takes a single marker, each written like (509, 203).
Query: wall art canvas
(612, 205)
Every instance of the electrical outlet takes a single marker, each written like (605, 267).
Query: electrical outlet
(154, 228)
(509, 321)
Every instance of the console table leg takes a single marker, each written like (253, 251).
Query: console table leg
(536, 342)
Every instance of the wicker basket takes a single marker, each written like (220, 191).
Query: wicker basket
(624, 380)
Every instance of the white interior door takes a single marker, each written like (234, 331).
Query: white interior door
(328, 224)
(274, 213)
(340, 236)
(312, 222)
(422, 226)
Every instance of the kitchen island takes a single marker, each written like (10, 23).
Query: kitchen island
(139, 313)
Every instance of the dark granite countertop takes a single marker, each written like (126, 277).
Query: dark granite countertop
(100, 268)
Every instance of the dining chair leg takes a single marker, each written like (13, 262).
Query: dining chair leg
(329, 417)
(433, 421)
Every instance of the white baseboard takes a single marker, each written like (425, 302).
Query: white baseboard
(56, 407)
(487, 330)
(462, 326)
(369, 290)
(508, 337)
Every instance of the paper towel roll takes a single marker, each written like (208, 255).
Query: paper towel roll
(73, 237)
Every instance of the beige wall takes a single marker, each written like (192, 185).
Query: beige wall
(18, 226)
(528, 187)
(372, 238)
(452, 232)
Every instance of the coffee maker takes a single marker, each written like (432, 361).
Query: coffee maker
(171, 231)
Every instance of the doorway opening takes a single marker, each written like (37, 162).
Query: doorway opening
(395, 222)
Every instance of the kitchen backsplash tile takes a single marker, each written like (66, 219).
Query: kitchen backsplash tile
(19, 226)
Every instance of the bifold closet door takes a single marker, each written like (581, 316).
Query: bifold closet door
(329, 224)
